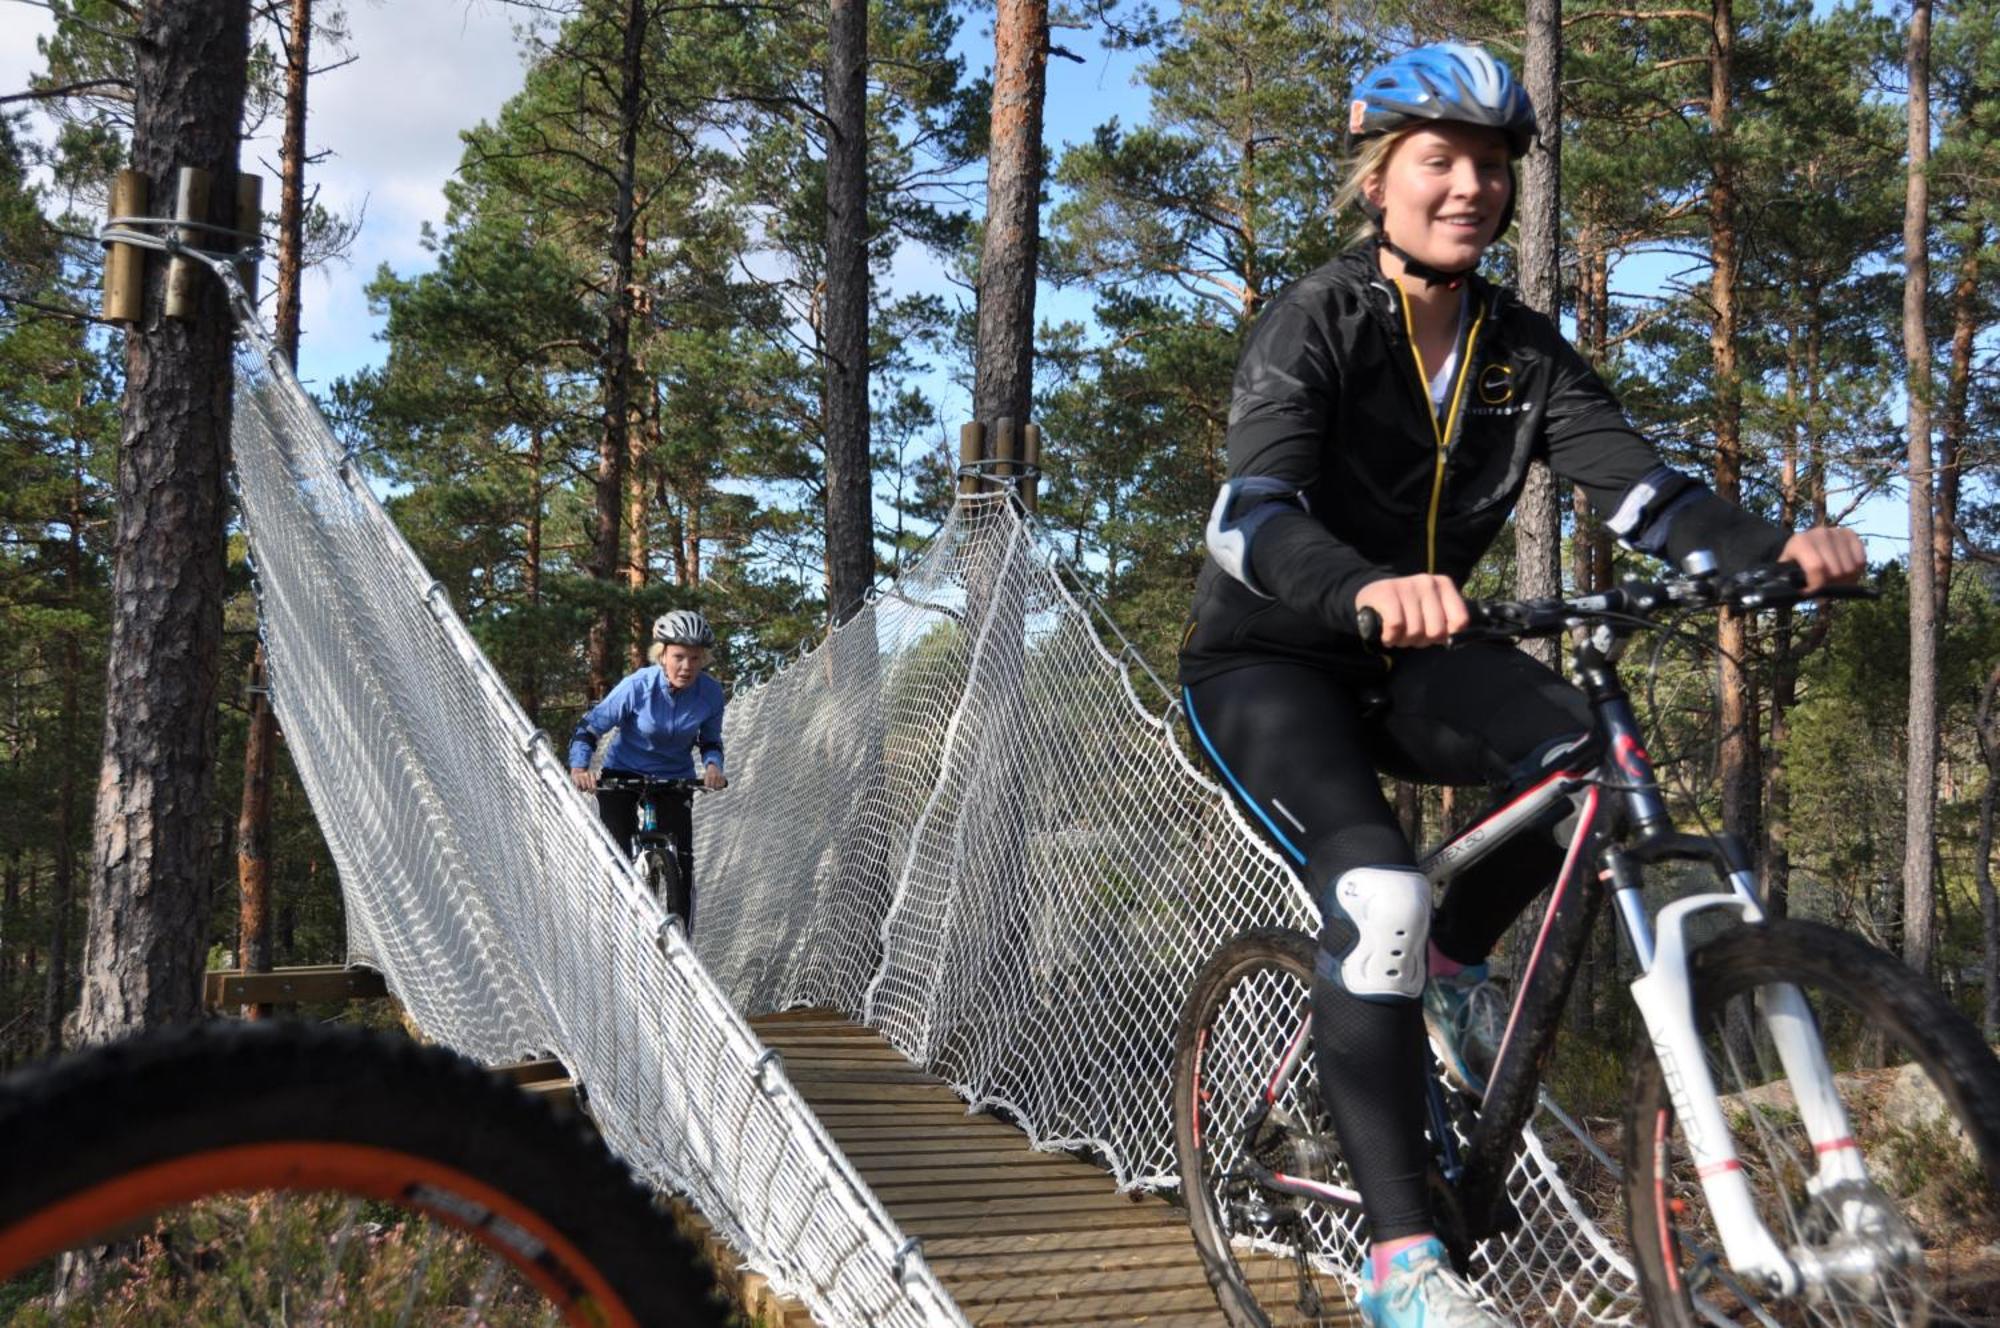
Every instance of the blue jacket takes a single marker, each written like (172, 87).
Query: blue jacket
(657, 726)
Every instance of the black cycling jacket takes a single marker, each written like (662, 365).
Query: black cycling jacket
(1332, 423)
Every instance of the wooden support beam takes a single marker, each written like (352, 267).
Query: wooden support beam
(184, 274)
(125, 264)
(971, 451)
(229, 987)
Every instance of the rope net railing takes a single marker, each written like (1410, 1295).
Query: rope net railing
(957, 821)
(480, 884)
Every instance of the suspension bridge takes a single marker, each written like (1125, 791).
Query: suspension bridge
(913, 1067)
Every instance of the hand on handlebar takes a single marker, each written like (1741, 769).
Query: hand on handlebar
(1827, 556)
(712, 777)
(584, 780)
(1421, 610)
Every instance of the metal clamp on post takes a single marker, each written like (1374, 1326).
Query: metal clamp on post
(761, 1070)
(911, 1246)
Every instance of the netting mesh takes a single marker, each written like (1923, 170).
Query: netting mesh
(481, 885)
(957, 821)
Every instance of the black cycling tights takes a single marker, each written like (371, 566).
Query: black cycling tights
(619, 810)
(1300, 750)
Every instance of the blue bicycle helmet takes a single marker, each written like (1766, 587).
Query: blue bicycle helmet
(1448, 81)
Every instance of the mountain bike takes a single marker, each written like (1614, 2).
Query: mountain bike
(286, 1173)
(653, 854)
(1763, 1178)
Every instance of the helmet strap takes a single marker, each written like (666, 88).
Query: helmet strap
(1416, 267)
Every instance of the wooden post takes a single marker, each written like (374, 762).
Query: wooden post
(971, 451)
(183, 275)
(249, 220)
(125, 264)
(1005, 447)
(1031, 455)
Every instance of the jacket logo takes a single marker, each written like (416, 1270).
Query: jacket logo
(1496, 385)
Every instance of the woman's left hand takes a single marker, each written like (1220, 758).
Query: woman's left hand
(1828, 555)
(713, 778)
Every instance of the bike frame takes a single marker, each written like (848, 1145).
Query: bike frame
(1621, 825)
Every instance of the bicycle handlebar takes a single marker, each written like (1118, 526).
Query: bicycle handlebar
(642, 784)
(1773, 585)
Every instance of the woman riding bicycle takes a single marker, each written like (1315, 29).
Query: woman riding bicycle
(1384, 413)
(662, 714)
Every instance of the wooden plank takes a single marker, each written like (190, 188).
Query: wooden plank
(886, 1095)
(828, 1042)
(1104, 1206)
(532, 1072)
(892, 1187)
(992, 1245)
(1022, 1237)
(883, 1154)
(324, 982)
(809, 1078)
(1183, 1274)
(927, 1228)
(963, 1131)
(1083, 1306)
(1155, 1260)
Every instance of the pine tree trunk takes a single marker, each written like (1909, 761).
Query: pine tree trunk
(615, 358)
(1593, 553)
(55, 995)
(1957, 396)
(1007, 263)
(531, 575)
(1920, 800)
(1740, 779)
(1538, 516)
(150, 864)
(850, 520)
(253, 820)
(638, 546)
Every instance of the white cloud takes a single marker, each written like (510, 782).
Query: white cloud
(424, 71)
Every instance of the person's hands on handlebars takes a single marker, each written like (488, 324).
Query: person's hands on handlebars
(1828, 555)
(584, 780)
(712, 777)
(1421, 610)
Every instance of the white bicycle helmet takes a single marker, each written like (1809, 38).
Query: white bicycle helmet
(683, 627)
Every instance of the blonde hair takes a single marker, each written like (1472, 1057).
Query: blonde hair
(658, 651)
(1367, 163)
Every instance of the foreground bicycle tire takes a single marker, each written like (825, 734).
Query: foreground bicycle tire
(1249, 1000)
(100, 1141)
(1857, 993)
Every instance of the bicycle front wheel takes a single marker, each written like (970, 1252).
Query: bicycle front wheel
(1913, 1243)
(1272, 1258)
(265, 1173)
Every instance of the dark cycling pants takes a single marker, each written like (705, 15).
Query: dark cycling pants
(1299, 749)
(619, 810)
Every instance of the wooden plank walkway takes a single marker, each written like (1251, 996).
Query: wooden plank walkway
(1020, 1238)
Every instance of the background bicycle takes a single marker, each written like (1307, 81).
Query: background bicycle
(662, 806)
(1769, 1173)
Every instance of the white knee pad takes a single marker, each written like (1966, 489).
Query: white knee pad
(1390, 908)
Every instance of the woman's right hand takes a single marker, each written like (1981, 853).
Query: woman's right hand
(1421, 610)
(584, 780)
